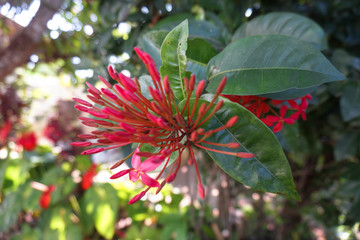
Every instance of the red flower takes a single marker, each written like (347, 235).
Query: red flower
(126, 116)
(45, 198)
(27, 141)
(4, 132)
(279, 120)
(87, 179)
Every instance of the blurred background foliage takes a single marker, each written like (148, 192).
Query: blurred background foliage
(78, 42)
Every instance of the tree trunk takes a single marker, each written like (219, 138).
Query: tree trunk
(24, 43)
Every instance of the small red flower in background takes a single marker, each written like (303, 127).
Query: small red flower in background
(45, 198)
(28, 141)
(5, 131)
(265, 109)
(125, 116)
(87, 179)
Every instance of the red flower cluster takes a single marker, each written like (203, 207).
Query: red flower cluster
(126, 116)
(88, 176)
(28, 141)
(265, 109)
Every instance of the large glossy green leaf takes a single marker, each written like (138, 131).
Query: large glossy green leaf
(9, 209)
(347, 146)
(269, 64)
(173, 56)
(199, 53)
(350, 101)
(269, 170)
(284, 23)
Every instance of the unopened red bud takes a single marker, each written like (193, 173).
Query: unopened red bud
(99, 132)
(89, 124)
(201, 191)
(171, 177)
(87, 136)
(186, 84)
(218, 105)
(112, 73)
(193, 136)
(127, 127)
(137, 197)
(81, 108)
(200, 88)
(95, 100)
(92, 151)
(232, 121)
(106, 82)
(82, 102)
(162, 184)
(200, 131)
(117, 164)
(98, 114)
(105, 141)
(127, 82)
(113, 112)
(109, 94)
(245, 155)
(139, 53)
(81, 144)
(221, 86)
(154, 72)
(120, 174)
(144, 154)
(92, 88)
(192, 82)
(167, 85)
(103, 123)
(233, 145)
(202, 109)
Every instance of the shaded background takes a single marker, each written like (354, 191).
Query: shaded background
(49, 48)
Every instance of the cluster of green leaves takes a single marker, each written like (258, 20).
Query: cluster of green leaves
(75, 213)
(281, 59)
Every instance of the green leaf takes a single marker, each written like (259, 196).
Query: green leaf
(151, 43)
(3, 166)
(100, 204)
(350, 101)
(199, 53)
(145, 82)
(197, 28)
(173, 56)
(284, 23)
(347, 146)
(269, 64)
(9, 209)
(269, 170)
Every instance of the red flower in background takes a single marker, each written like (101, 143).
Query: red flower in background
(28, 141)
(45, 198)
(4, 132)
(267, 110)
(87, 179)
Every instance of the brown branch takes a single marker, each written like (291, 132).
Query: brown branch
(25, 43)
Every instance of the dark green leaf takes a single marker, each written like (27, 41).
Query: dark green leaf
(269, 170)
(269, 64)
(282, 23)
(9, 209)
(197, 28)
(350, 101)
(199, 53)
(173, 56)
(347, 146)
